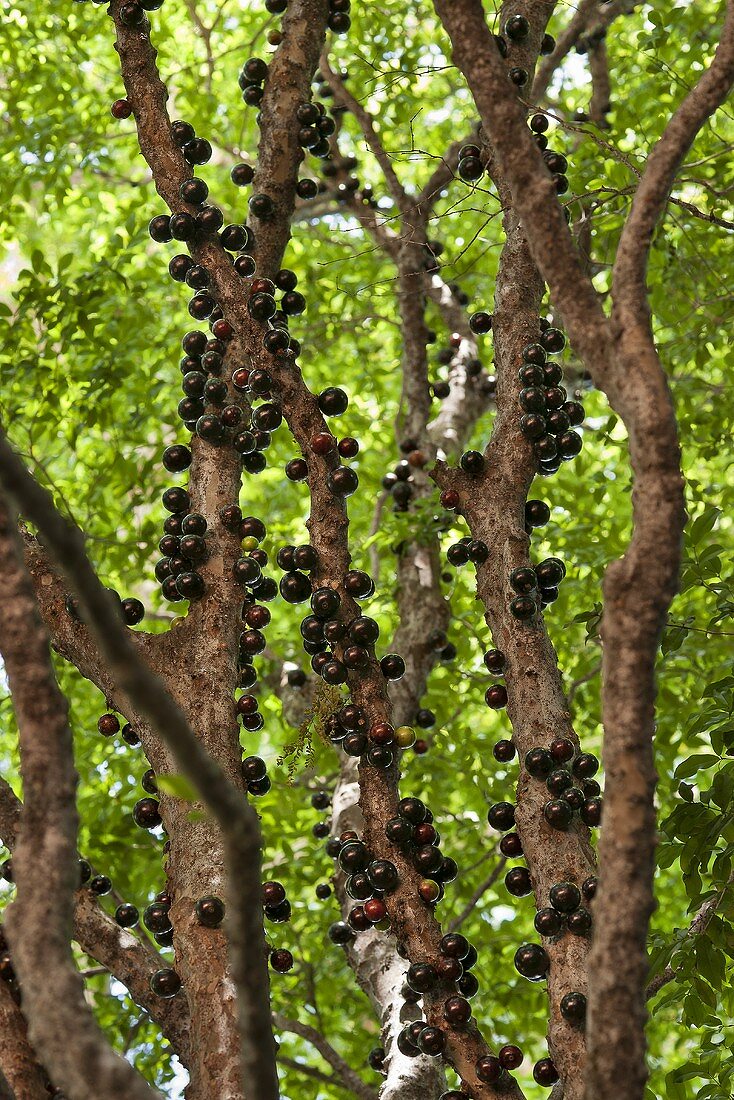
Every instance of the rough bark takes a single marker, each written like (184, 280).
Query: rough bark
(128, 958)
(132, 962)
(493, 506)
(638, 590)
(197, 858)
(46, 870)
(19, 1066)
(623, 362)
(530, 184)
(279, 153)
(164, 718)
(588, 16)
(6, 1093)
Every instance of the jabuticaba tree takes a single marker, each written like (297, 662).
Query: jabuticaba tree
(365, 551)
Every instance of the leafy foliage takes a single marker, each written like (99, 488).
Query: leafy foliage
(89, 331)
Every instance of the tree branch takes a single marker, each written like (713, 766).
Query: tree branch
(590, 15)
(129, 959)
(637, 599)
(627, 368)
(288, 85)
(211, 630)
(698, 927)
(493, 506)
(45, 859)
(403, 201)
(478, 894)
(378, 968)
(565, 42)
(18, 1063)
(347, 1076)
(600, 103)
(530, 184)
(132, 961)
(237, 820)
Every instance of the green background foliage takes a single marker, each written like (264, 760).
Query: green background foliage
(89, 332)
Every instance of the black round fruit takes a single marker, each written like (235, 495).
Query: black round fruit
(518, 883)
(146, 813)
(565, 897)
(156, 918)
(100, 885)
(523, 608)
(422, 977)
(340, 933)
(501, 816)
(126, 915)
(511, 846)
(523, 580)
(545, 1072)
(165, 983)
(517, 27)
(531, 960)
(558, 813)
(579, 922)
(573, 1007)
(539, 763)
(548, 922)
(210, 911)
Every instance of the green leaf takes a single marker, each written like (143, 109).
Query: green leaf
(696, 763)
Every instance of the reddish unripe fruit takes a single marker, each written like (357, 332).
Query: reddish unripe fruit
(489, 1069)
(448, 969)
(429, 890)
(121, 109)
(561, 749)
(420, 747)
(510, 1056)
(257, 617)
(382, 733)
(273, 893)
(375, 910)
(246, 704)
(450, 499)
(425, 833)
(323, 443)
(281, 960)
(457, 1011)
(108, 724)
(496, 696)
(348, 447)
(495, 662)
(417, 458)
(222, 330)
(358, 919)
